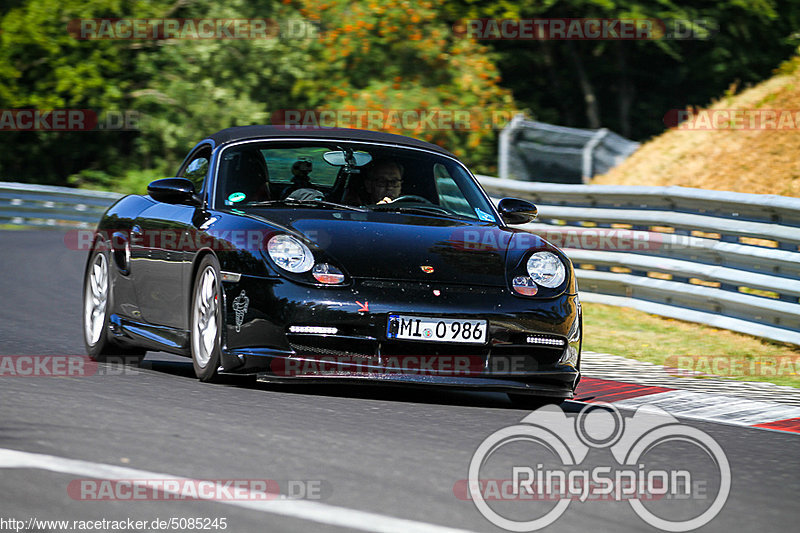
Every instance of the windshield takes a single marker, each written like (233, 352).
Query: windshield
(287, 174)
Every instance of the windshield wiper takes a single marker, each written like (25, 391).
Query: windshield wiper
(318, 202)
(417, 209)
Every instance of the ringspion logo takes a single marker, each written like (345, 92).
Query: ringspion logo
(597, 455)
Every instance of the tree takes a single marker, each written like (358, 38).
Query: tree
(632, 85)
(186, 88)
(390, 56)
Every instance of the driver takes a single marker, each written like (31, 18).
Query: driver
(381, 185)
(384, 182)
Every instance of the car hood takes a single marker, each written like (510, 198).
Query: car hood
(404, 247)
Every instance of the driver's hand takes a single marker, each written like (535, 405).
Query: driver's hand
(386, 200)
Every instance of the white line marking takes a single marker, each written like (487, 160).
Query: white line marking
(302, 509)
(714, 407)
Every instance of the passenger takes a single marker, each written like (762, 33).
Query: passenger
(300, 177)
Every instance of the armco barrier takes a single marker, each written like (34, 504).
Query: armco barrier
(729, 260)
(24, 204)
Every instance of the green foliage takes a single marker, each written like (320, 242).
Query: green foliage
(370, 55)
(42, 66)
(790, 66)
(385, 55)
(635, 83)
(125, 181)
(185, 89)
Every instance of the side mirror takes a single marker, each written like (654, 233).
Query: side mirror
(516, 211)
(173, 191)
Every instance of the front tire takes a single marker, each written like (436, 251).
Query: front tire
(206, 320)
(96, 312)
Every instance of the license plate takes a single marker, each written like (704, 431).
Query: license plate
(425, 328)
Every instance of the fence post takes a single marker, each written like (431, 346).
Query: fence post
(504, 145)
(588, 154)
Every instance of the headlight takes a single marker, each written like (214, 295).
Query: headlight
(524, 286)
(328, 274)
(290, 254)
(546, 269)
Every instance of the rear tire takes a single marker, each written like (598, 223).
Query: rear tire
(97, 299)
(206, 332)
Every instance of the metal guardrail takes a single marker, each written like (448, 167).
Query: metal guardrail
(536, 151)
(729, 260)
(24, 204)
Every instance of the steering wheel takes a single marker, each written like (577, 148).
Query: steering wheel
(412, 197)
(415, 198)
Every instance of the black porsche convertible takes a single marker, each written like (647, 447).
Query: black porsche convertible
(328, 255)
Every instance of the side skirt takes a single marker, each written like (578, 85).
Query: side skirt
(160, 338)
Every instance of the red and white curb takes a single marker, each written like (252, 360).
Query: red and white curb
(692, 404)
(618, 368)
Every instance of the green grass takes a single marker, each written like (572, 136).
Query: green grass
(663, 341)
(14, 226)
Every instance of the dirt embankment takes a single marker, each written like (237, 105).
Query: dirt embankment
(746, 142)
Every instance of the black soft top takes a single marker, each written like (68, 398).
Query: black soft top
(238, 133)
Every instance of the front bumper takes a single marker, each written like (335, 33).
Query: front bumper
(522, 354)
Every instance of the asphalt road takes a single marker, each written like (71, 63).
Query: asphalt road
(392, 453)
